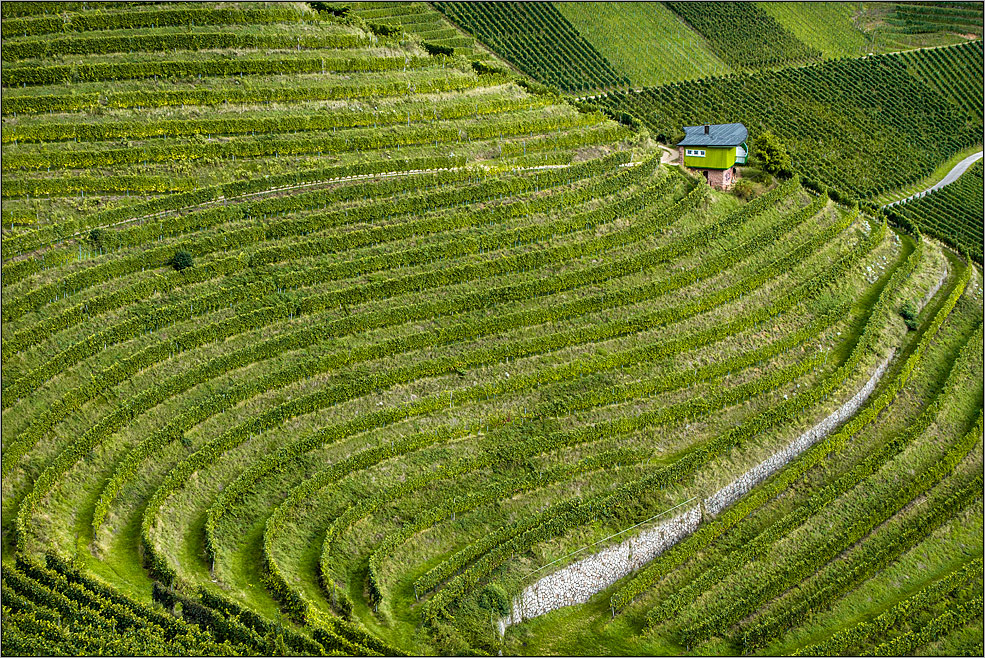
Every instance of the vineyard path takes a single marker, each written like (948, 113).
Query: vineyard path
(951, 176)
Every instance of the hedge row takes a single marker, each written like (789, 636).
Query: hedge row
(360, 139)
(48, 47)
(397, 114)
(243, 94)
(853, 638)
(128, 19)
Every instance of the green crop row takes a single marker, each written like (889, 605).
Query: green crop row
(251, 285)
(240, 125)
(935, 629)
(231, 397)
(127, 19)
(631, 392)
(122, 369)
(560, 518)
(68, 186)
(48, 47)
(26, 242)
(757, 547)
(669, 382)
(487, 553)
(770, 585)
(26, 75)
(365, 139)
(74, 602)
(740, 324)
(854, 638)
(871, 557)
(703, 537)
(243, 94)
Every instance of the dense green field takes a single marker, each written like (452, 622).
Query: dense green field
(320, 340)
(644, 41)
(862, 126)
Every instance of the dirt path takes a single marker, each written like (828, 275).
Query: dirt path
(951, 176)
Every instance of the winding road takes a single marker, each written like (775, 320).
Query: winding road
(951, 176)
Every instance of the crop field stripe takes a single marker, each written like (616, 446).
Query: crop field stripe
(356, 139)
(213, 301)
(768, 622)
(701, 538)
(51, 418)
(431, 223)
(114, 422)
(36, 104)
(855, 637)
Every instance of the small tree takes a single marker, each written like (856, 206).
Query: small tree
(182, 260)
(772, 154)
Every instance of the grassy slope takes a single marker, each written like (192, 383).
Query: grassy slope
(644, 41)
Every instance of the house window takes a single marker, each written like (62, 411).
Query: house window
(697, 153)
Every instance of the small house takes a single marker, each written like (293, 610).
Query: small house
(713, 150)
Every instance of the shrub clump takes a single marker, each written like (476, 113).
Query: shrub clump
(494, 598)
(182, 260)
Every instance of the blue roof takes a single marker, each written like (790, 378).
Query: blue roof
(719, 134)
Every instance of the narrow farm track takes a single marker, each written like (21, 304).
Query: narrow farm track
(951, 176)
(325, 333)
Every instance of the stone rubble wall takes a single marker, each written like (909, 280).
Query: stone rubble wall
(578, 582)
(745, 482)
(933, 291)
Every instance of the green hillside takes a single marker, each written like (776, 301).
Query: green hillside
(953, 213)
(327, 333)
(644, 41)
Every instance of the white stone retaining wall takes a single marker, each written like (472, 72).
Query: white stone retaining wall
(578, 582)
(745, 482)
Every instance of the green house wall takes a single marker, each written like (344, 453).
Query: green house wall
(715, 158)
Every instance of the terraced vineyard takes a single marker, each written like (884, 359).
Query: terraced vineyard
(538, 40)
(317, 340)
(744, 35)
(862, 126)
(953, 213)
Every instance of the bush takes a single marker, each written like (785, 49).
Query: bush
(494, 598)
(909, 315)
(437, 49)
(743, 189)
(182, 260)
